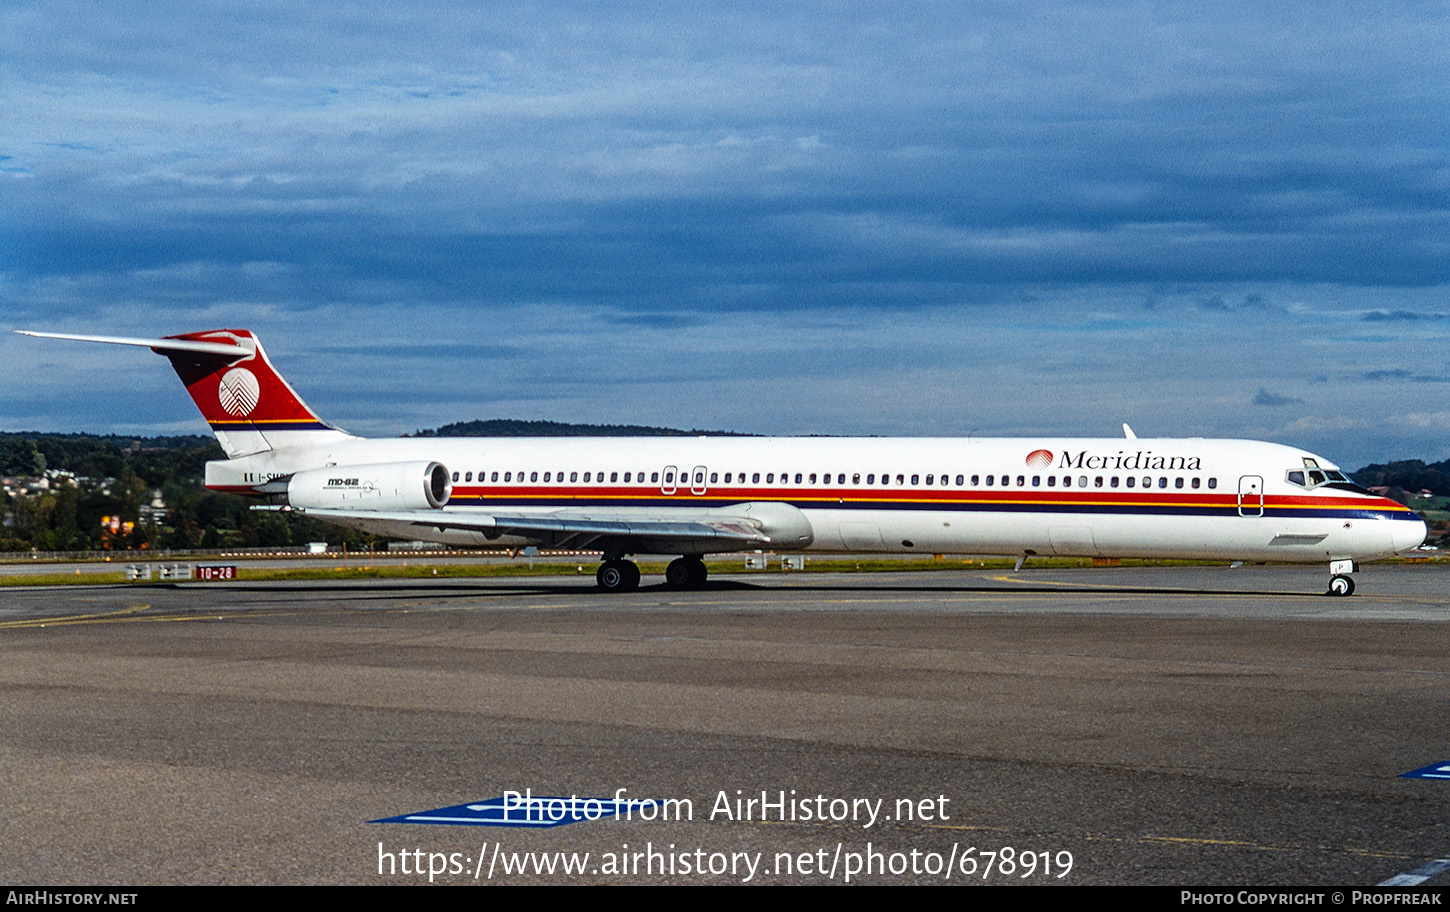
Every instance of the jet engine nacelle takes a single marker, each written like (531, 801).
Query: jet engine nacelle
(384, 486)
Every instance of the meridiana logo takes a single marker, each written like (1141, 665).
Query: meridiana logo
(238, 392)
(1040, 459)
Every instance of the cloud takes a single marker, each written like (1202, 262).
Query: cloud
(1264, 397)
(1399, 316)
(1152, 205)
(1404, 374)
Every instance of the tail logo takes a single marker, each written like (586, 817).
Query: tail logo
(238, 391)
(1039, 459)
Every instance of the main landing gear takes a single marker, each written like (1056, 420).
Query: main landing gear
(618, 575)
(1340, 581)
(686, 573)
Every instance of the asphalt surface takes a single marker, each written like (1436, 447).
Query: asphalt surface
(1194, 726)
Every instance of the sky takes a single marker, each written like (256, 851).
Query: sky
(921, 219)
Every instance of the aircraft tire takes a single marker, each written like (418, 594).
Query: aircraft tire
(678, 574)
(617, 576)
(686, 573)
(1341, 585)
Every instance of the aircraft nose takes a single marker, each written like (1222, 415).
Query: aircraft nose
(1408, 533)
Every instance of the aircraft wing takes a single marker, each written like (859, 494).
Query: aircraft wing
(566, 528)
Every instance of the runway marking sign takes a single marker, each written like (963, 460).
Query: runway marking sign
(513, 809)
(1439, 770)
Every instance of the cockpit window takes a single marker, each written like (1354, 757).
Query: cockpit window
(1312, 476)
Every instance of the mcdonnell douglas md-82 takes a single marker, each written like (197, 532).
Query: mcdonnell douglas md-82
(1239, 500)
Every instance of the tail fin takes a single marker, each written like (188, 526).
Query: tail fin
(250, 408)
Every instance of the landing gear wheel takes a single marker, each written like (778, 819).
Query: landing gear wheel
(686, 573)
(1341, 585)
(617, 576)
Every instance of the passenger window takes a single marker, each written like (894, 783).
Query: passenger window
(1021, 482)
(548, 475)
(1113, 482)
(533, 476)
(855, 479)
(1163, 482)
(669, 478)
(1036, 481)
(961, 479)
(1195, 484)
(714, 476)
(755, 478)
(813, 478)
(929, 478)
(989, 480)
(508, 476)
(1212, 483)
(1178, 482)
(1147, 482)
(1052, 481)
(468, 476)
(901, 479)
(455, 476)
(770, 478)
(495, 477)
(586, 477)
(653, 477)
(1131, 480)
(1067, 481)
(871, 479)
(1097, 481)
(798, 477)
(915, 480)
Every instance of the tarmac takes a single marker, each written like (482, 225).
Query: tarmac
(1183, 726)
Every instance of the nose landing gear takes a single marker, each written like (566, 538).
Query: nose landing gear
(1340, 581)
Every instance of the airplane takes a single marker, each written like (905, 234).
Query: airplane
(1238, 500)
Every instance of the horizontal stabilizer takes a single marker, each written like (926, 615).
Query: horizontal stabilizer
(159, 345)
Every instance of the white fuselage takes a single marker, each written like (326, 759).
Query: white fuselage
(1189, 498)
